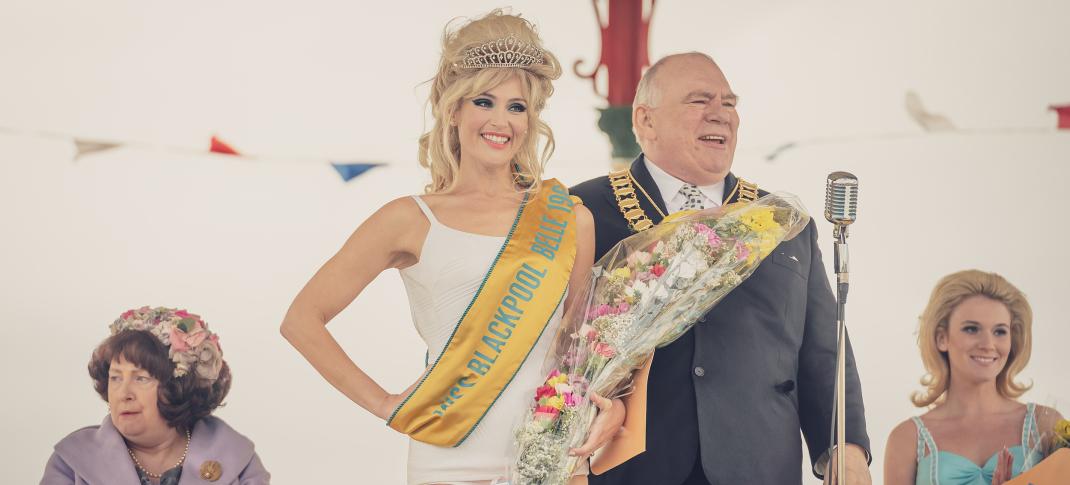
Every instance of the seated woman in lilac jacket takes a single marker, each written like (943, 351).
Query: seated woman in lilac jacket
(162, 374)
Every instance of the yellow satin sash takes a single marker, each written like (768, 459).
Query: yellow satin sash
(508, 314)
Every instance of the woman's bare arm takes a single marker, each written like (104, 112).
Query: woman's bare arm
(901, 455)
(390, 238)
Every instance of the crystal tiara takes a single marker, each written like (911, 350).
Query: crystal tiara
(505, 52)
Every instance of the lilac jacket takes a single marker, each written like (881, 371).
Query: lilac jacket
(97, 455)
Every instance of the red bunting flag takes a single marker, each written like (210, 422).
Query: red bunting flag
(1064, 115)
(218, 146)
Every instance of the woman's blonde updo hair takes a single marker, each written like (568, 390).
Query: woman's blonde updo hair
(948, 294)
(440, 148)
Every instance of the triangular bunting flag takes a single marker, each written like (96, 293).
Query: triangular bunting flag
(780, 149)
(928, 121)
(350, 171)
(1064, 115)
(218, 146)
(85, 147)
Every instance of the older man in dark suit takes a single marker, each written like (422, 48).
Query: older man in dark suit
(724, 404)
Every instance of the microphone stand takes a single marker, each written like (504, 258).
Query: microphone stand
(841, 192)
(840, 233)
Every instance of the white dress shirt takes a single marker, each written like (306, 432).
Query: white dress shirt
(669, 187)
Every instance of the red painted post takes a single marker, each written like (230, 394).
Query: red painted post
(624, 56)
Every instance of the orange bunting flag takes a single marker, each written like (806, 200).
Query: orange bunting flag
(218, 146)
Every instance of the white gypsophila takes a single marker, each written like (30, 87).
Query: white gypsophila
(700, 241)
(540, 457)
(731, 279)
(668, 250)
(685, 232)
(616, 329)
(612, 285)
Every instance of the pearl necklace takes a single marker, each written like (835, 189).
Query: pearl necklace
(157, 476)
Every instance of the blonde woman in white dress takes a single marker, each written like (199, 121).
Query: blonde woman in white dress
(487, 255)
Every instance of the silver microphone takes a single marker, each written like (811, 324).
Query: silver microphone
(841, 209)
(841, 201)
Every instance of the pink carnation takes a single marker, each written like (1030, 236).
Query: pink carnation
(571, 400)
(544, 391)
(657, 270)
(713, 239)
(587, 331)
(604, 349)
(547, 410)
(599, 311)
(638, 258)
(741, 251)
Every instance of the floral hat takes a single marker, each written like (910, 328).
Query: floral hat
(190, 343)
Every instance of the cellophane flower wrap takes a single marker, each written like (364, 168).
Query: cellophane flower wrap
(1061, 435)
(643, 294)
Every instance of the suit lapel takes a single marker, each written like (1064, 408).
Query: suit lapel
(730, 194)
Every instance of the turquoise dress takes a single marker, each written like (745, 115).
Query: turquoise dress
(946, 468)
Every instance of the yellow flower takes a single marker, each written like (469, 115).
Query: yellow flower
(559, 379)
(556, 402)
(624, 273)
(1062, 429)
(767, 242)
(759, 219)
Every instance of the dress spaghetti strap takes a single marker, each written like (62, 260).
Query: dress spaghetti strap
(926, 440)
(425, 209)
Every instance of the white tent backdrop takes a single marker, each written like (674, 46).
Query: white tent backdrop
(234, 239)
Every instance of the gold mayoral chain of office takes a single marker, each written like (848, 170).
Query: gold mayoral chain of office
(624, 184)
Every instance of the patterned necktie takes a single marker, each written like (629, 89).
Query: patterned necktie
(693, 198)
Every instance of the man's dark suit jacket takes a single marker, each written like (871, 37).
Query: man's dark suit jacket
(735, 390)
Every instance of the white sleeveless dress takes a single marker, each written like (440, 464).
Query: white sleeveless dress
(440, 286)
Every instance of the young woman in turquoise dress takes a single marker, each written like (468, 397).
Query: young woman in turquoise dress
(975, 337)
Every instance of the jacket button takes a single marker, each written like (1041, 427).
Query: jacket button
(699, 371)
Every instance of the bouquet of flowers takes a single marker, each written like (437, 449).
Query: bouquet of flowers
(1061, 435)
(643, 294)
